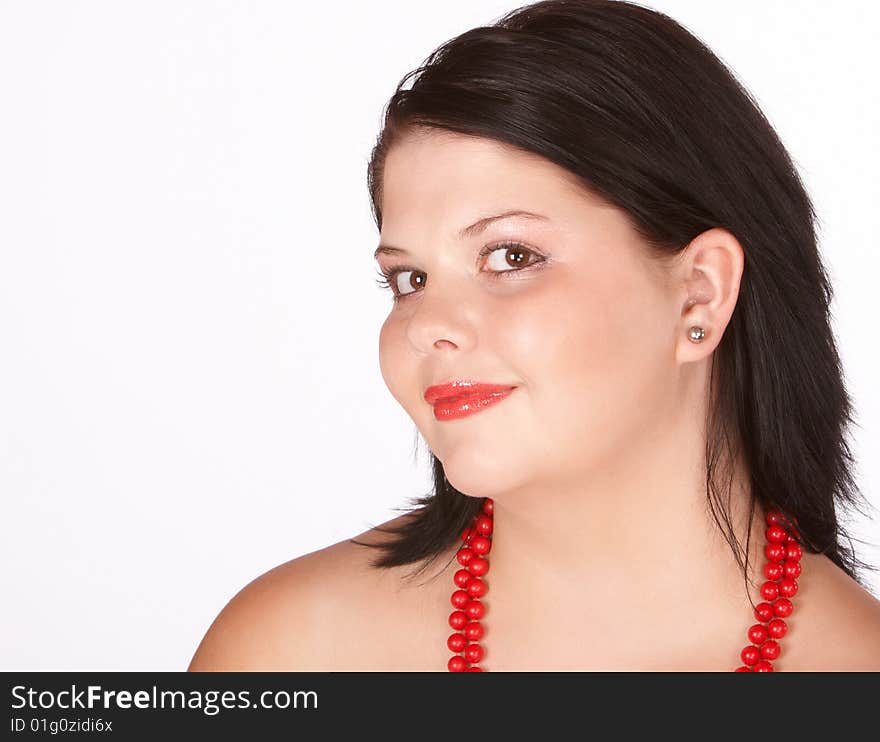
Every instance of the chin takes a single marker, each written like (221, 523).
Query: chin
(479, 479)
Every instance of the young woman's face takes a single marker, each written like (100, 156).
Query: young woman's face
(581, 321)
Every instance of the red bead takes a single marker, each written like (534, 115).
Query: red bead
(794, 551)
(456, 642)
(788, 587)
(489, 506)
(776, 534)
(473, 653)
(770, 650)
(777, 628)
(457, 620)
(773, 570)
(474, 610)
(477, 588)
(762, 666)
(467, 533)
(483, 524)
(774, 552)
(773, 518)
(473, 631)
(478, 566)
(769, 590)
(464, 556)
(456, 663)
(758, 633)
(791, 568)
(782, 608)
(481, 545)
(743, 668)
(750, 655)
(462, 577)
(460, 598)
(792, 536)
(764, 612)
(474, 668)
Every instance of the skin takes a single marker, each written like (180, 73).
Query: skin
(604, 555)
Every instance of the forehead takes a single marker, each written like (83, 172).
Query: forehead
(443, 177)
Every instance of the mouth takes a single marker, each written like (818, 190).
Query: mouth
(460, 399)
(460, 390)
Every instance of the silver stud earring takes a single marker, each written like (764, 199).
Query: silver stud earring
(696, 334)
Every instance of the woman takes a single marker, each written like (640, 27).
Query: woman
(582, 209)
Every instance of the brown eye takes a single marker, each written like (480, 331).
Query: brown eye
(511, 256)
(400, 280)
(415, 281)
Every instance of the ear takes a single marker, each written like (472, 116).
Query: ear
(710, 269)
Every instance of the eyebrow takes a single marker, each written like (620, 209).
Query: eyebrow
(470, 231)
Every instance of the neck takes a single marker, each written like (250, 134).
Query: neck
(637, 534)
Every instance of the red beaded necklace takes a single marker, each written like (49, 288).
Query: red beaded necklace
(782, 569)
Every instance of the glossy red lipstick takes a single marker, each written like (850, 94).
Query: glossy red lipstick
(462, 398)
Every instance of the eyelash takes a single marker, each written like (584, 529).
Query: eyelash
(387, 278)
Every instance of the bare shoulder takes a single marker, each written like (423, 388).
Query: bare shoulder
(837, 623)
(329, 610)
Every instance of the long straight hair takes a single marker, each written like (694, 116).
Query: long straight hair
(648, 118)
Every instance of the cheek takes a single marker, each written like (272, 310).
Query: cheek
(399, 367)
(561, 341)
(390, 362)
(593, 354)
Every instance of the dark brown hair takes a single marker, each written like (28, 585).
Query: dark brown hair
(648, 118)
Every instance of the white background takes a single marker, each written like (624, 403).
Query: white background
(189, 382)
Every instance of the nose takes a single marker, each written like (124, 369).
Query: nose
(441, 321)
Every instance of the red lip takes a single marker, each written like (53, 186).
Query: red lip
(453, 408)
(460, 389)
